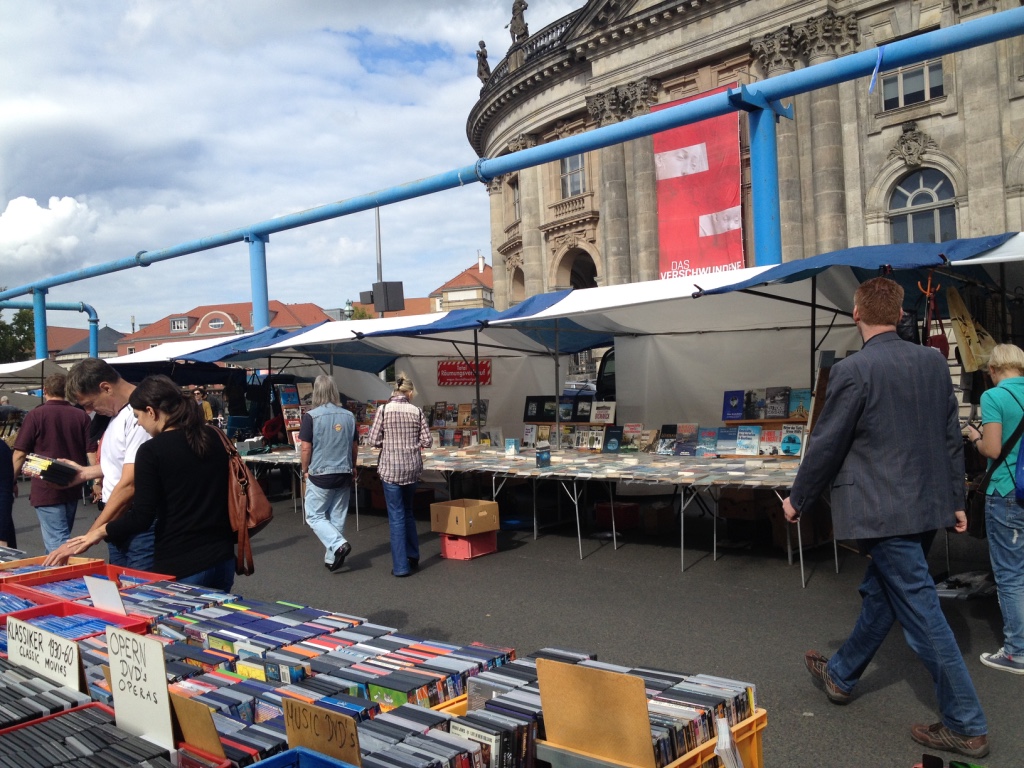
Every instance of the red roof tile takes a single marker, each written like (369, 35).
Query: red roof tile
(469, 278)
(59, 338)
(281, 316)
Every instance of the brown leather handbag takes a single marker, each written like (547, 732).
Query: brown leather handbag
(248, 507)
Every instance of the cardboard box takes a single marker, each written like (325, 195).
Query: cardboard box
(464, 517)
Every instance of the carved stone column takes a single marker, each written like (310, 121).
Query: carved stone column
(777, 54)
(530, 202)
(495, 190)
(824, 38)
(607, 107)
(637, 98)
(977, 75)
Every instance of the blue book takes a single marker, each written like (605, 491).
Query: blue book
(732, 405)
(707, 441)
(799, 403)
(511, 446)
(727, 440)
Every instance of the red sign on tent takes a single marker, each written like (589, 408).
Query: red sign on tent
(460, 373)
(699, 218)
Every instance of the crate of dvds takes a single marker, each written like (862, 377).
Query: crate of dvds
(300, 757)
(74, 622)
(15, 598)
(70, 585)
(28, 567)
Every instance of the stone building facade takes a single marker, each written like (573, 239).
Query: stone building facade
(935, 151)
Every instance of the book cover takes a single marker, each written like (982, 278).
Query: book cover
(529, 435)
(727, 440)
(457, 438)
(748, 438)
(754, 403)
(707, 441)
(447, 437)
(771, 442)
(533, 408)
(451, 414)
(647, 441)
(288, 394)
(511, 446)
(666, 440)
(595, 439)
(438, 417)
(686, 439)
(465, 414)
(630, 442)
(567, 437)
(799, 403)
(603, 412)
(565, 408)
(435, 438)
(543, 432)
(543, 454)
(776, 402)
(479, 409)
(581, 408)
(496, 434)
(613, 437)
(732, 405)
(792, 439)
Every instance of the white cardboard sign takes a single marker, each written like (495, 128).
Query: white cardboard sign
(49, 655)
(138, 679)
(105, 595)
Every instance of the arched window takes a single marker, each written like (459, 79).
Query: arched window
(922, 208)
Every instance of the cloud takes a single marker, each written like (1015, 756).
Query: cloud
(151, 124)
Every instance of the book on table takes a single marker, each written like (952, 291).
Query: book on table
(686, 439)
(707, 441)
(612, 439)
(748, 437)
(630, 442)
(667, 439)
(727, 437)
(771, 442)
(529, 435)
(792, 440)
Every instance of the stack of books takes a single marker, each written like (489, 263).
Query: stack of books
(50, 470)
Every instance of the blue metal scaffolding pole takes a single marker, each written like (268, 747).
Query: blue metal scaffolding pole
(81, 306)
(988, 29)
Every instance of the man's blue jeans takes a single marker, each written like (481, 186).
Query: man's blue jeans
(137, 553)
(405, 542)
(220, 576)
(56, 522)
(898, 587)
(1004, 523)
(326, 510)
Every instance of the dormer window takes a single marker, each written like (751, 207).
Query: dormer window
(216, 324)
(179, 324)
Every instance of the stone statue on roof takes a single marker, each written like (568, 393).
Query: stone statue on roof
(517, 27)
(483, 69)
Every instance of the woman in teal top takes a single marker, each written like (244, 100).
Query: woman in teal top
(1002, 408)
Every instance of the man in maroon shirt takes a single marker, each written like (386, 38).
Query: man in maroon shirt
(57, 430)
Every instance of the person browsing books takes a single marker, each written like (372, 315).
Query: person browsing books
(181, 490)
(401, 431)
(56, 430)
(1002, 408)
(888, 445)
(97, 387)
(328, 453)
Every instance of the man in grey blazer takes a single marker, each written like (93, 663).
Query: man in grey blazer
(887, 443)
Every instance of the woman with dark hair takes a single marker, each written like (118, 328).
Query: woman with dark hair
(181, 482)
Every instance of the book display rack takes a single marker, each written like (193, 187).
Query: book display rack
(248, 679)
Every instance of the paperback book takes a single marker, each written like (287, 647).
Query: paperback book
(686, 439)
(776, 403)
(707, 441)
(603, 412)
(771, 442)
(732, 405)
(754, 403)
(631, 437)
(727, 437)
(511, 446)
(748, 438)
(792, 439)
(529, 435)
(667, 440)
(613, 439)
(799, 403)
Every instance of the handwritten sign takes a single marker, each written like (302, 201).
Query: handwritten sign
(459, 373)
(138, 680)
(319, 729)
(104, 595)
(45, 653)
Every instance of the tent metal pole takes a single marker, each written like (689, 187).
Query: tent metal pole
(476, 376)
(814, 323)
(558, 400)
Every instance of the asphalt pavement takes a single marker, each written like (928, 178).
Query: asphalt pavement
(743, 616)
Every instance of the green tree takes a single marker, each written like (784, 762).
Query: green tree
(361, 313)
(17, 338)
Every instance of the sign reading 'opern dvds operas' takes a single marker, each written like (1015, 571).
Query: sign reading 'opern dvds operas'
(461, 373)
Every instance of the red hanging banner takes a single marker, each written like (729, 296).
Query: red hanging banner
(700, 224)
(459, 373)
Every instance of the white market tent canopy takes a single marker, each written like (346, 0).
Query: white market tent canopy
(28, 374)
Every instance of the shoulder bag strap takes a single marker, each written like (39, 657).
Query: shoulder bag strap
(1005, 452)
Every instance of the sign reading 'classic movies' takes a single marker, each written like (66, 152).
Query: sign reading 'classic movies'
(461, 373)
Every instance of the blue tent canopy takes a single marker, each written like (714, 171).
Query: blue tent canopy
(868, 259)
(455, 320)
(225, 349)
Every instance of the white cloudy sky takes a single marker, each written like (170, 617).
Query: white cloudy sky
(139, 125)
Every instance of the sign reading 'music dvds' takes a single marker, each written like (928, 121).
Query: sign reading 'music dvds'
(460, 373)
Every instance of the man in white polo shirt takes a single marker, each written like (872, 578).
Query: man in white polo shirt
(96, 386)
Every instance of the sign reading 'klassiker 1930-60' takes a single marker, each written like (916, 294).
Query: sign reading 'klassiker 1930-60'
(460, 373)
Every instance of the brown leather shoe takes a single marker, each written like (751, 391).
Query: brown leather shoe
(817, 665)
(939, 736)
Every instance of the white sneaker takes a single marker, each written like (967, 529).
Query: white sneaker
(1002, 660)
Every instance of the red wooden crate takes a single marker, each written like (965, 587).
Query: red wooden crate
(28, 594)
(112, 572)
(468, 547)
(75, 565)
(130, 623)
